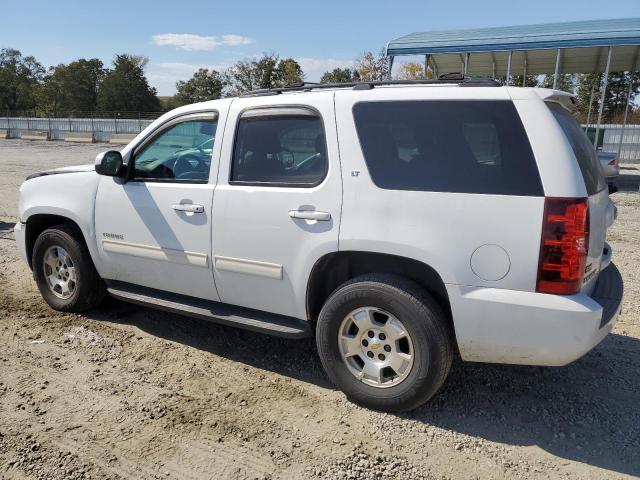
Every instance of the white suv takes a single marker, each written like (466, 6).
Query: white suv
(397, 223)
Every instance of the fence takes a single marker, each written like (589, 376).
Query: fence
(101, 126)
(630, 147)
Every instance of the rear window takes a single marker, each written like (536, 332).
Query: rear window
(582, 149)
(447, 146)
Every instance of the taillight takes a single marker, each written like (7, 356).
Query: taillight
(564, 245)
(613, 162)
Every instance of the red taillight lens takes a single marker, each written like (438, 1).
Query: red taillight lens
(564, 245)
(613, 162)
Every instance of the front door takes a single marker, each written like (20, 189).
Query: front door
(154, 230)
(277, 204)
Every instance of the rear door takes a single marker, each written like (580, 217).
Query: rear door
(600, 206)
(277, 204)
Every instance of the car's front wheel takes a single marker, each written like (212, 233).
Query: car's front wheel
(64, 272)
(385, 342)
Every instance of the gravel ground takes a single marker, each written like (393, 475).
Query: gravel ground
(128, 392)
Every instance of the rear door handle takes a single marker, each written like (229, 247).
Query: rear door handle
(188, 207)
(310, 215)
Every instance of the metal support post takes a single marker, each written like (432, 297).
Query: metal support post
(557, 71)
(605, 82)
(593, 87)
(626, 110)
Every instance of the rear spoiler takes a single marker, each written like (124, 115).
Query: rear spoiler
(567, 100)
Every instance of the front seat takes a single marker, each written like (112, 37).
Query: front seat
(260, 162)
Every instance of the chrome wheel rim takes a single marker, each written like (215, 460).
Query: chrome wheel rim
(59, 272)
(376, 347)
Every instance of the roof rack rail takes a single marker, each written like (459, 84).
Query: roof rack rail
(449, 78)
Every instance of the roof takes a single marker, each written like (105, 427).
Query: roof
(584, 47)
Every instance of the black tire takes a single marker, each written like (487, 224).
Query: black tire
(424, 321)
(89, 288)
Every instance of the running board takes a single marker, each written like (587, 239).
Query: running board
(249, 319)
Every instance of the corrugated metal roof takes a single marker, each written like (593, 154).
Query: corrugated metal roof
(584, 47)
(623, 31)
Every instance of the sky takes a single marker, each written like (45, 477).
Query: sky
(181, 36)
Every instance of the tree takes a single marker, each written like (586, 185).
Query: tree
(566, 82)
(20, 79)
(530, 81)
(615, 98)
(340, 75)
(371, 68)
(125, 88)
(289, 72)
(588, 84)
(72, 87)
(411, 71)
(266, 72)
(204, 85)
(617, 92)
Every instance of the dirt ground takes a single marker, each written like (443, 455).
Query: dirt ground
(128, 392)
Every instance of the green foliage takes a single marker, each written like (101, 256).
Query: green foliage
(615, 98)
(125, 87)
(72, 87)
(289, 72)
(566, 82)
(340, 75)
(530, 81)
(204, 85)
(266, 72)
(20, 79)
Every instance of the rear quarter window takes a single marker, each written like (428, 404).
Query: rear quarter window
(586, 155)
(447, 146)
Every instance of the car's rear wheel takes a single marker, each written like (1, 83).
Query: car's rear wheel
(64, 272)
(385, 342)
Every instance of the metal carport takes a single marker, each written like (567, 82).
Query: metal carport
(595, 46)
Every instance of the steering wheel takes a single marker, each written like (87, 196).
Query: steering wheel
(183, 167)
(308, 163)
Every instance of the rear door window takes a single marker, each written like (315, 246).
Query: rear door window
(447, 146)
(582, 148)
(280, 147)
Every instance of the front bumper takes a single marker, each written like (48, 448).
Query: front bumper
(528, 328)
(19, 232)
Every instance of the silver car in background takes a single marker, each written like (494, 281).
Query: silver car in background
(610, 165)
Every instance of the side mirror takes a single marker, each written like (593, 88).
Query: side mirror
(613, 188)
(109, 163)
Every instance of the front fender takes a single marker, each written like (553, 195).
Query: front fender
(69, 195)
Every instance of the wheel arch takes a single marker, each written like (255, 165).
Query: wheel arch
(334, 269)
(39, 222)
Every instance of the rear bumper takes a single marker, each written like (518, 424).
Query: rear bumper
(528, 328)
(19, 232)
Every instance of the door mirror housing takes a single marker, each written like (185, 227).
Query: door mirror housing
(109, 163)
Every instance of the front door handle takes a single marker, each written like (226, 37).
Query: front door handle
(188, 207)
(310, 215)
